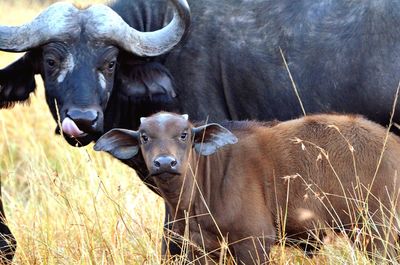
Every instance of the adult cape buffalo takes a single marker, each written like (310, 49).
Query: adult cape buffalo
(103, 73)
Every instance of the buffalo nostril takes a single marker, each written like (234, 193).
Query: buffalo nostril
(157, 164)
(173, 163)
(85, 119)
(83, 114)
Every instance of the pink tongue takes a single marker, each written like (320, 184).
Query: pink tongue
(69, 127)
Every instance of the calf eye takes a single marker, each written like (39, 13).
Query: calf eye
(183, 136)
(145, 138)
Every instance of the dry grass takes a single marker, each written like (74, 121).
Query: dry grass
(70, 205)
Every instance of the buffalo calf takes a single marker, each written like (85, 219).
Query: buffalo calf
(293, 178)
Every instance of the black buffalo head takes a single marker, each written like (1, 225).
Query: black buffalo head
(76, 51)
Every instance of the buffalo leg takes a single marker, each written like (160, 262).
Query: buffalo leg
(8, 244)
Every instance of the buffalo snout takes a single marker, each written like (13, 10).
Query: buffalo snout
(82, 121)
(85, 119)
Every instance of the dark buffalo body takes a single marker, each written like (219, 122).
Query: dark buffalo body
(343, 55)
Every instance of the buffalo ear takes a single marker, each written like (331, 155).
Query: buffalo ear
(210, 137)
(146, 81)
(122, 144)
(17, 80)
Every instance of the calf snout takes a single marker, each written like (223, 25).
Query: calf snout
(165, 163)
(85, 119)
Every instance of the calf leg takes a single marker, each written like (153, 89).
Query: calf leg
(383, 244)
(377, 239)
(253, 251)
(169, 246)
(308, 249)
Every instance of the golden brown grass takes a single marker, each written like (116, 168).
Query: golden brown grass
(70, 205)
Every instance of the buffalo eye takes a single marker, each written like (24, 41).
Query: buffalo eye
(183, 136)
(51, 63)
(145, 138)
(111, 65)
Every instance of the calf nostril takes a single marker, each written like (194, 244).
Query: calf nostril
(165, 163)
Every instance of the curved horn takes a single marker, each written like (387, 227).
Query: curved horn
(109, 25)
(56, 22)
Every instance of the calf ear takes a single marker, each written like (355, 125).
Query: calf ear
(208, 138)
(122, 144)
(17, 80)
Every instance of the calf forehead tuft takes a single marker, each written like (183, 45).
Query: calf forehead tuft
(165, 116)
(164, 121)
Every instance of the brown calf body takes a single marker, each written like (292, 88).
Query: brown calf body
(291, 177)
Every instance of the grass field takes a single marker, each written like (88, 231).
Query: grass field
(70, 205)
